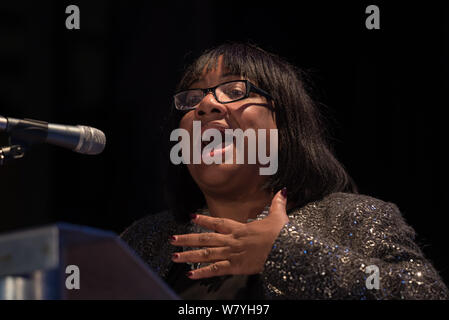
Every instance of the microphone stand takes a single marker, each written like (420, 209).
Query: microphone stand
(12, 152)
(17, 138)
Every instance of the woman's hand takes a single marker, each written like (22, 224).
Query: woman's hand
(237, 248)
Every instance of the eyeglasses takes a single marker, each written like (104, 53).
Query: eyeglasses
(226, 92)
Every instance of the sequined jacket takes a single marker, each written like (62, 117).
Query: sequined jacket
(323, 252)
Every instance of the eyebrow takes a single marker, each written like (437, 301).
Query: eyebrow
(227, 74)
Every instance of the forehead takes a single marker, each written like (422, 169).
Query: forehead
(214, 73)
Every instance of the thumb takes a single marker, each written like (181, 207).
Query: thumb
(278, 208)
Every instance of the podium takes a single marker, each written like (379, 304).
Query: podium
(65, 261)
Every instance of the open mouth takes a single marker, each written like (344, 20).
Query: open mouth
(218, 145)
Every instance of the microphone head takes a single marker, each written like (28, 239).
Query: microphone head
(92, 141)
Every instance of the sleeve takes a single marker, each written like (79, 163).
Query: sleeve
(336, 257)
(149, 236)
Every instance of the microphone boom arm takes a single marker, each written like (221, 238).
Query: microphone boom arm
(11, 153)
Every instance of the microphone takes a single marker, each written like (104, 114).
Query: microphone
(81, 139)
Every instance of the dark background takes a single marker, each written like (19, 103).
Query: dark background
(385, 89)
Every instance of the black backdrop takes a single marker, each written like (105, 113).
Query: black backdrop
(385, 89)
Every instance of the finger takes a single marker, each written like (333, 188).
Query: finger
(216, 269)
(200, 240)
(222, 225)
(203, 255)
(278, 208)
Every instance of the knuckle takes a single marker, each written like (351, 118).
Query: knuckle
(214, 268)
(218, 222)
(227, 251)
(279, 202)
(206, 253)
(237, 246)
(203, 238)
(240, 233)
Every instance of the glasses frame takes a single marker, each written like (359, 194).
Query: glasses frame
(250, 87)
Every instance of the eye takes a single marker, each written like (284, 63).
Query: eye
(193, 98)
(234, 93)
(234, 90)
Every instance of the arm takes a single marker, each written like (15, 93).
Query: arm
(327, 258)
(149, 237)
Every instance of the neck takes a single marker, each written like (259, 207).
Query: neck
(239, 207)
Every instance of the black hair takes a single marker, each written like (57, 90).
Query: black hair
(306, 163)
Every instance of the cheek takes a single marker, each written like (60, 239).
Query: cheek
(186, 121)
(257, 118)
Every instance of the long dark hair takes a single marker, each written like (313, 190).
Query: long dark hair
(307, 165)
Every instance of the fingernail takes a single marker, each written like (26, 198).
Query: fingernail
(284, 192)
(173, 238)
(189, 274)
(175, 255)
(193, 216)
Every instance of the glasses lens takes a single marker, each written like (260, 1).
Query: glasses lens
(188, 99)
(231, 91)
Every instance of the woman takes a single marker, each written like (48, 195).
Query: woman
(301, 233)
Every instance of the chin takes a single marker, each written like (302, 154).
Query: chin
(217, 175)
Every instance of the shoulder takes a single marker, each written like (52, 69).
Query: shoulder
(359, 208)
(361, 202)
(351, 214)
(356, 206)
(147, 221)
(149, 226)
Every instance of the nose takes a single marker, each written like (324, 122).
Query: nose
(210, 109)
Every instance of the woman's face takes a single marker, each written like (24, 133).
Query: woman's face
(250, 113)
